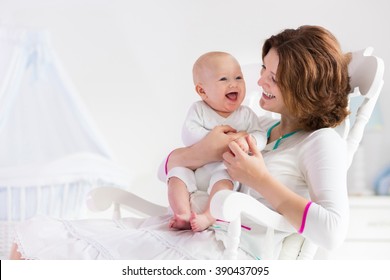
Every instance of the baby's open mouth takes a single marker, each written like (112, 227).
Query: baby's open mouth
(232, 96)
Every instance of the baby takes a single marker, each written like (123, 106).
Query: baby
(219, 82)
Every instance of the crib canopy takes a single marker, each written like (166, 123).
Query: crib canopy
(46, 133)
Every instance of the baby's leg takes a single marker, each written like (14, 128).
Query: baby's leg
(179, 200)
(200, 222)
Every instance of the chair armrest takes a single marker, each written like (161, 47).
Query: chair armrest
(102, 198)
(229, 205)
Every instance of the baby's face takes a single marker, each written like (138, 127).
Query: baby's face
(224, 85)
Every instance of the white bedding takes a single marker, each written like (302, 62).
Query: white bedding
(138, 239)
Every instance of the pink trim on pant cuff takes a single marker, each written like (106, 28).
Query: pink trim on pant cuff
(166, 163)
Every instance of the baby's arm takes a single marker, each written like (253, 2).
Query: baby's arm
(260, 139)
(256, 128)
(193, 128)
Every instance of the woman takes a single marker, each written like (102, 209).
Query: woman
(301, 173)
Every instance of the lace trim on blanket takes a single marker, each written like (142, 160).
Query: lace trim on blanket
(170, 245)
(91, 242)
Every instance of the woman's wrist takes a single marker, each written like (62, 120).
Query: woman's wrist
(209, 149)
(190, 157)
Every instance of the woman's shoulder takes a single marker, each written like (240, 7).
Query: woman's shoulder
(324, 138)
(325, 133)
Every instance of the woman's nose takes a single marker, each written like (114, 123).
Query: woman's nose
(260, 81)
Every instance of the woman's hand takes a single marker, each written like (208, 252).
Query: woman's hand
(251, 171)
(247, 169)
(243, 144)
(209, 149)
(216, 143)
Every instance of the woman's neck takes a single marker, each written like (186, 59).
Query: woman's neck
(283, 129)
(288, 125)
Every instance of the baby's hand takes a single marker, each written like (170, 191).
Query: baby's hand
(243, 144)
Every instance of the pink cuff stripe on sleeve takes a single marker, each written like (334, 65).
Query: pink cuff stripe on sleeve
(304, 218)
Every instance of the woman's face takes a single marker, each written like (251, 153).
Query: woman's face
(271, 99)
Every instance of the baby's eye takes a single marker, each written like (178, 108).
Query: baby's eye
(239, 78)
(223, 79)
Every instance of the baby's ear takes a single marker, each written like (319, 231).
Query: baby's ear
(199, 89)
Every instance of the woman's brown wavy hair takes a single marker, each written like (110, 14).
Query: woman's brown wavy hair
(312, 75)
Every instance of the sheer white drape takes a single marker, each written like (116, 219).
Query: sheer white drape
(51, 153)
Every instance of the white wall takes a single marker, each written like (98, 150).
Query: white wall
(131, 60)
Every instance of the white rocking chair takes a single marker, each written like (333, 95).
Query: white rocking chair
(366, 73)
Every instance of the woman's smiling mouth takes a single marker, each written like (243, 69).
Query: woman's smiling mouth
(268, 95)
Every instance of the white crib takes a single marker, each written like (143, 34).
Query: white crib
(57, 189)
(51, 153)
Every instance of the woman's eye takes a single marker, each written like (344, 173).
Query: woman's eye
(262, 69)
(271, 77)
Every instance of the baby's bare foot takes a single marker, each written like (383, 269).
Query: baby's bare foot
(180, 222)
(200, 222)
